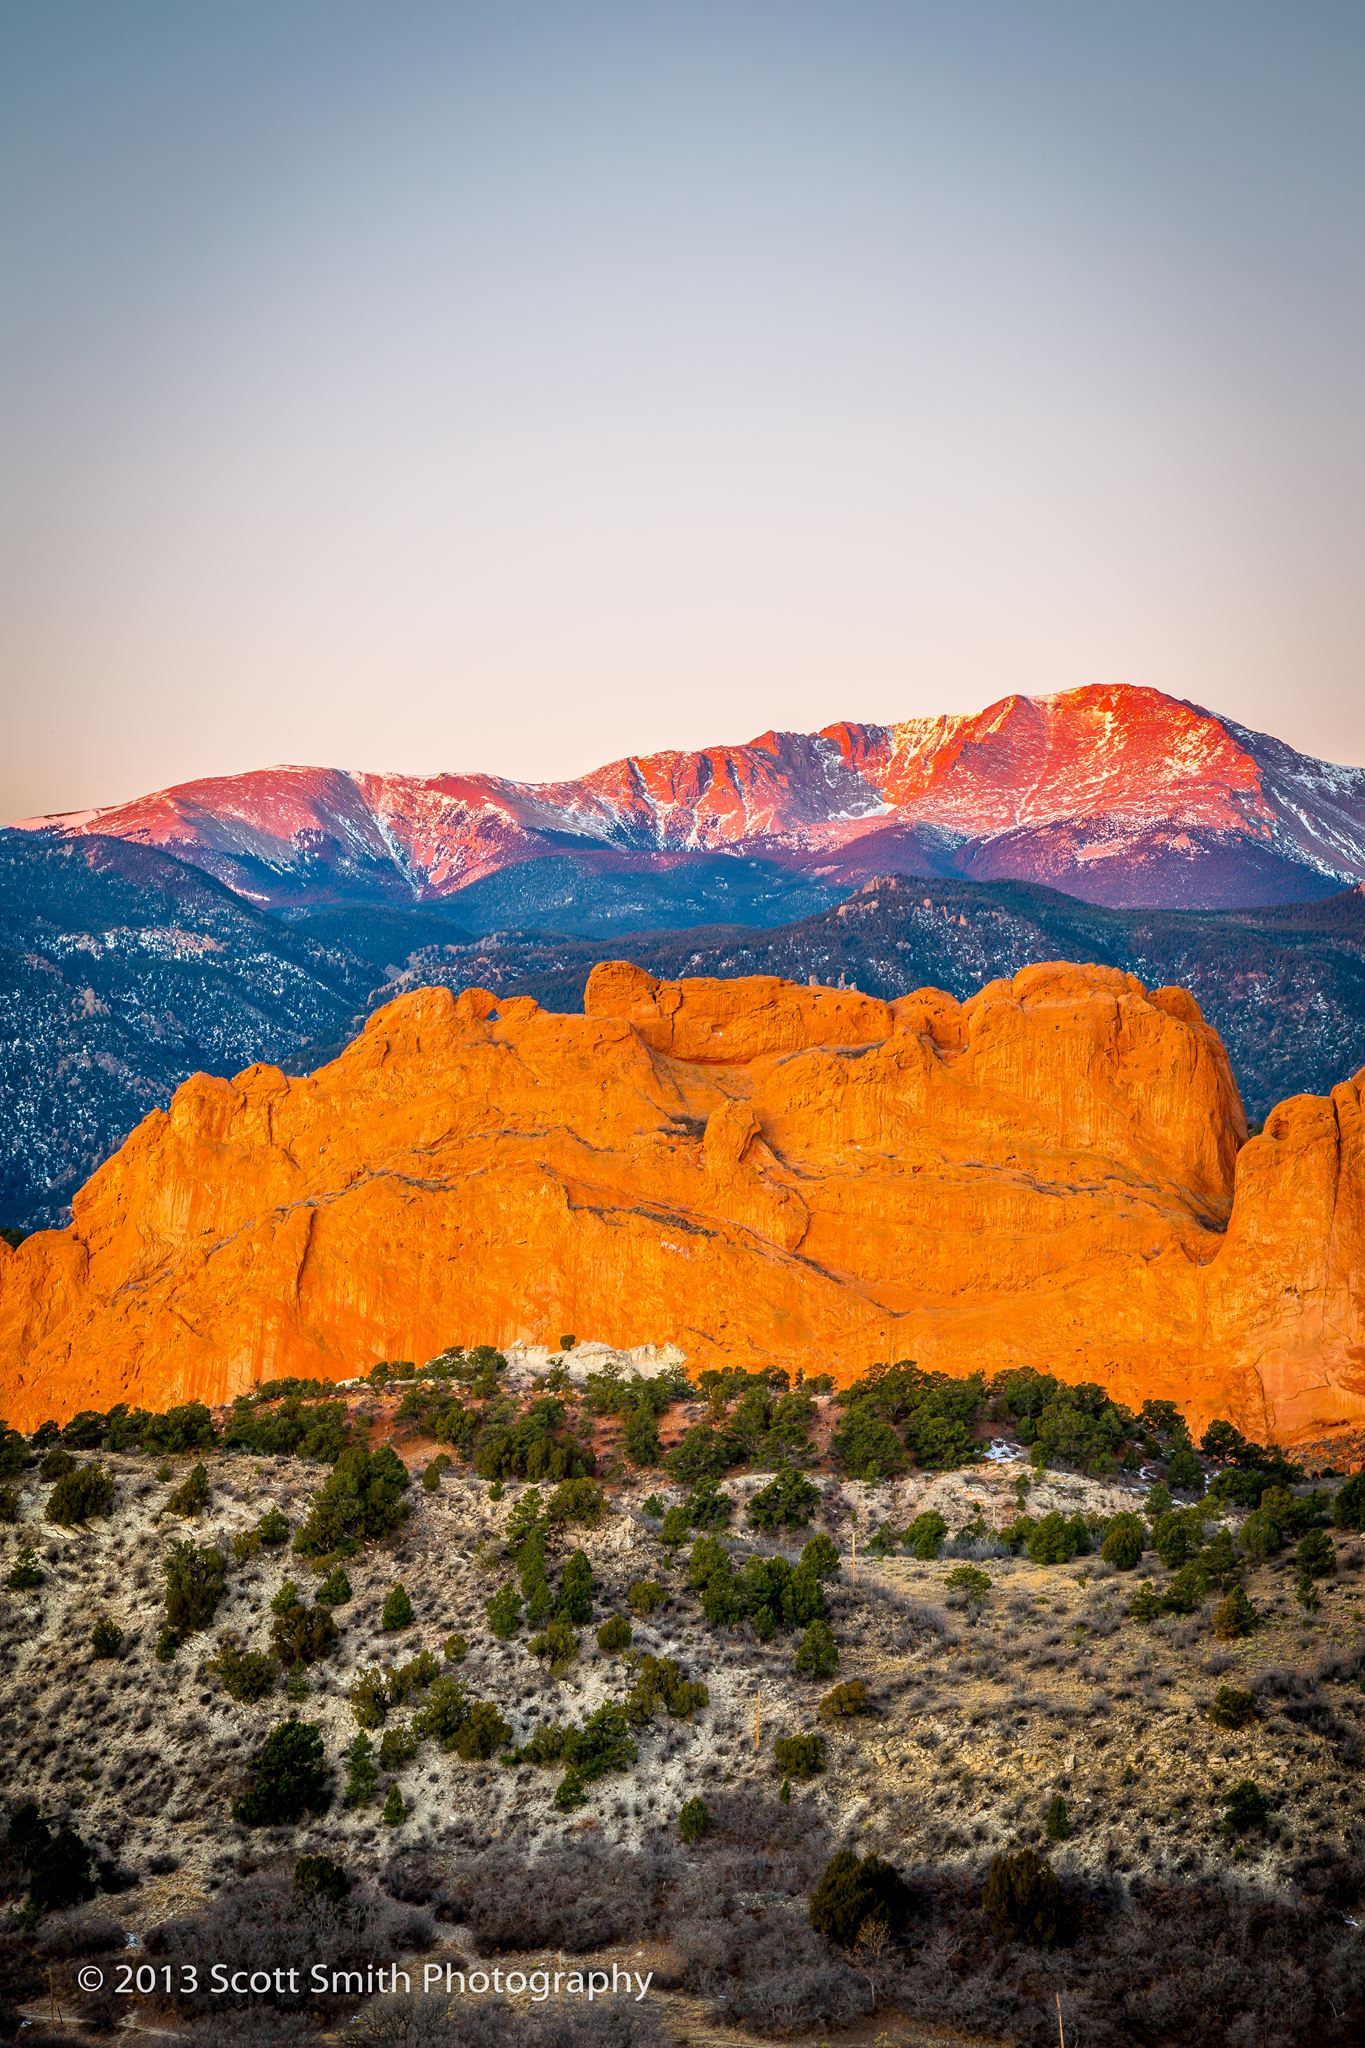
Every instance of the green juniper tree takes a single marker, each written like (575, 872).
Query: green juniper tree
(397, 1612)
(25, 1573)
(361, 1787)
(288, 1777)
(1022, 1897)
(817, 1653)
(107, 1638)
(694, 1820)
(191, 1497)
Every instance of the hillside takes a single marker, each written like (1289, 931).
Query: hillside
(1053, 1173)
(122, 971)
(522, 1719)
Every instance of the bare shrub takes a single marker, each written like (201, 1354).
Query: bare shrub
(86, 1932)
(573, 1897)
(263, 1923)
(767, 1970)
(414, 1877)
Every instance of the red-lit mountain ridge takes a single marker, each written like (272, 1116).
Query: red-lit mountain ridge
(1118, 795)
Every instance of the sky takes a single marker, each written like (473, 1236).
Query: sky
(513, 386)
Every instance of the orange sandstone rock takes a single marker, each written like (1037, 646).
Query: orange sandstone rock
(1055, 1173)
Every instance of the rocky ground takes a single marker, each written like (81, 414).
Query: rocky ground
(979, 1718)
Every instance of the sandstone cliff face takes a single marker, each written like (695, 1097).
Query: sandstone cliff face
(1054, 1173)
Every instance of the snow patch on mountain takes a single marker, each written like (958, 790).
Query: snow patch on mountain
(1159, 794)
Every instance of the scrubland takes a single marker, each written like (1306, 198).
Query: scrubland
(831, 1723)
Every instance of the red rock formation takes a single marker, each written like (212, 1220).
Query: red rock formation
(1054, 1173)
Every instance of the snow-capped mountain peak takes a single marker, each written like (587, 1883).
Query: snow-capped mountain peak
(1115, 793)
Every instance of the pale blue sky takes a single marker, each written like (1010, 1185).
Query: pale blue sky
(511, 386)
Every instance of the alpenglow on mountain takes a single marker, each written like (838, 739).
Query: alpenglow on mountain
(1118, 795)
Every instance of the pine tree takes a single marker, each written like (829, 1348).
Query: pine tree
(1022, 1896)
(504, 1612)
(362, 1774)
(191, 1497)
(397, 1608)
(25, 1572)
(693, 1820)
(107, 1638)
(395, 1808)
(287, 1778)
(575, 1590)
(1235, 1616)
(817, 1654)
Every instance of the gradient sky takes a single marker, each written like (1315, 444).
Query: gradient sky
(512, 386)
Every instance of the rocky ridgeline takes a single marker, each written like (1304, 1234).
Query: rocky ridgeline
(1053, 1173)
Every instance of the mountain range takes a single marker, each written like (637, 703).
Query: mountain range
(1117, 795)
